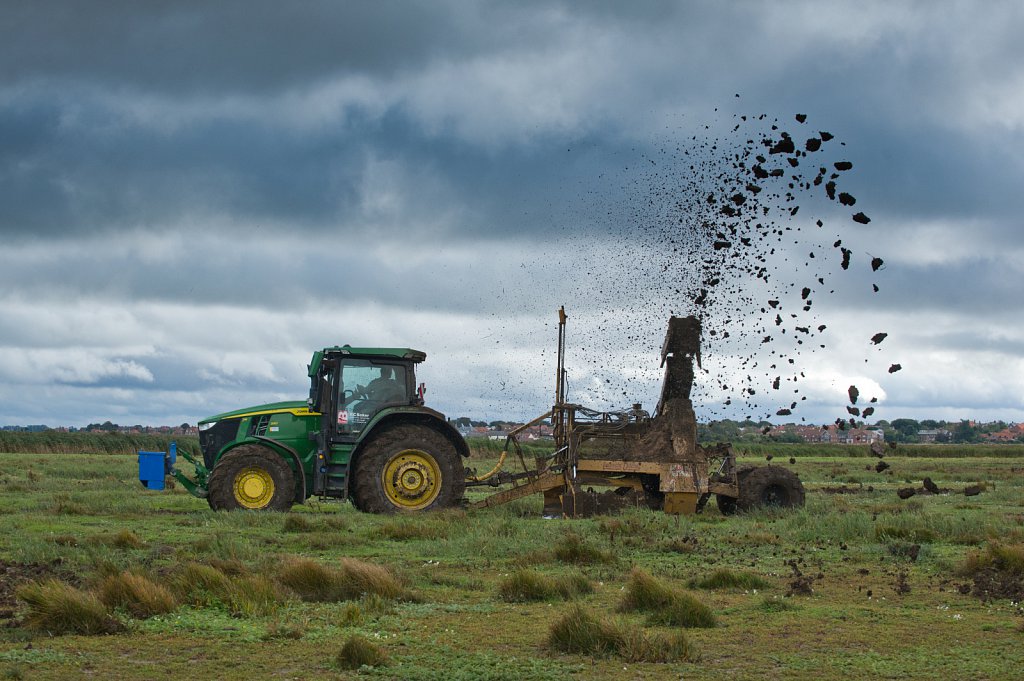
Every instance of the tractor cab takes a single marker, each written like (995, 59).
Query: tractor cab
(350, 386)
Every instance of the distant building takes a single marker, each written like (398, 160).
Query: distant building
(832, 434)
(933, 435)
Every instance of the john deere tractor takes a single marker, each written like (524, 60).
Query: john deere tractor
(364, 434)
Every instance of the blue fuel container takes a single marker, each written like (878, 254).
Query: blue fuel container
(154, 466)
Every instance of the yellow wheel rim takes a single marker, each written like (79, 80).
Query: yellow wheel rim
(254, 488)
(412, 480)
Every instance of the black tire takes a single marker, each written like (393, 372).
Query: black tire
(408, 468)
(770, 486)
(728, 505)
(253, 478)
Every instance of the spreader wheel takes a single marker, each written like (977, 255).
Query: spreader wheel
(253, 478)
(727, 505)
(771, 486)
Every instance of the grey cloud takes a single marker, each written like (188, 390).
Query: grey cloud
(247, 160)
(251, 46)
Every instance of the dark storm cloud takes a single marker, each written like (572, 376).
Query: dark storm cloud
(94, 175)
(250, 46)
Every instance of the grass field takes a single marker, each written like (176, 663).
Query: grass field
(859, 584)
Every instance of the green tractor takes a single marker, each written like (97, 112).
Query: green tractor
(364, 433)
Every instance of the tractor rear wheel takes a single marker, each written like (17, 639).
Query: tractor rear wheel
(251, 477)
(771, 486)
(406, 469)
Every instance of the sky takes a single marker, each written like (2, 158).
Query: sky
(197, 195)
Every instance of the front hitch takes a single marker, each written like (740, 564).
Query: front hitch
(154, 467)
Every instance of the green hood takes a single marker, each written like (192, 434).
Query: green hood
(299, 408)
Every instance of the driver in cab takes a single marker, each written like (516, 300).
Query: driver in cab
(386, 387)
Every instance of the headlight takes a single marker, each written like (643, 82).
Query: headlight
(206, 426)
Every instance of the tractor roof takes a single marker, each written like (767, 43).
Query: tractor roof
(380, 353)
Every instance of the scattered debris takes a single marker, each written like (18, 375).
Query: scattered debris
(801, 584)
(722, 212)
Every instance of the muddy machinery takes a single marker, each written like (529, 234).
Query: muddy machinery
(655, 460)
(365, 434)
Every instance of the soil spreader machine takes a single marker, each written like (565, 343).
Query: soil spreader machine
(365, 434)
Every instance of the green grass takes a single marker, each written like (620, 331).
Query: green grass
(476, 595)
(55, 442)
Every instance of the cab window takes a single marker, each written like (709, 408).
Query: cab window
(367, 386)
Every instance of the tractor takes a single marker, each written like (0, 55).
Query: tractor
(364, 434)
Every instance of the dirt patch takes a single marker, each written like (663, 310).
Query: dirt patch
(993, 584)
(801, 584)
(901, 586)
(14, 575)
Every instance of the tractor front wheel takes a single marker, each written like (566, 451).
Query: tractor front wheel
(771, 486)
(251, 477)
(405, 469)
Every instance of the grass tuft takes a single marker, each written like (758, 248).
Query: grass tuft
(254, 596)
(277, 629)
(352, 580)
(294, 522)
(663, 604)
(524, 586)
(1008, 558)
(405, 528)
(126, 539)
(574, 549)
(242, 594)
(580, 632)
(657, 647)
(59, 608)
(724, 578)
(136, 594)
(201, 585)
(355, 613)
(776, 605)
(359, 651)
